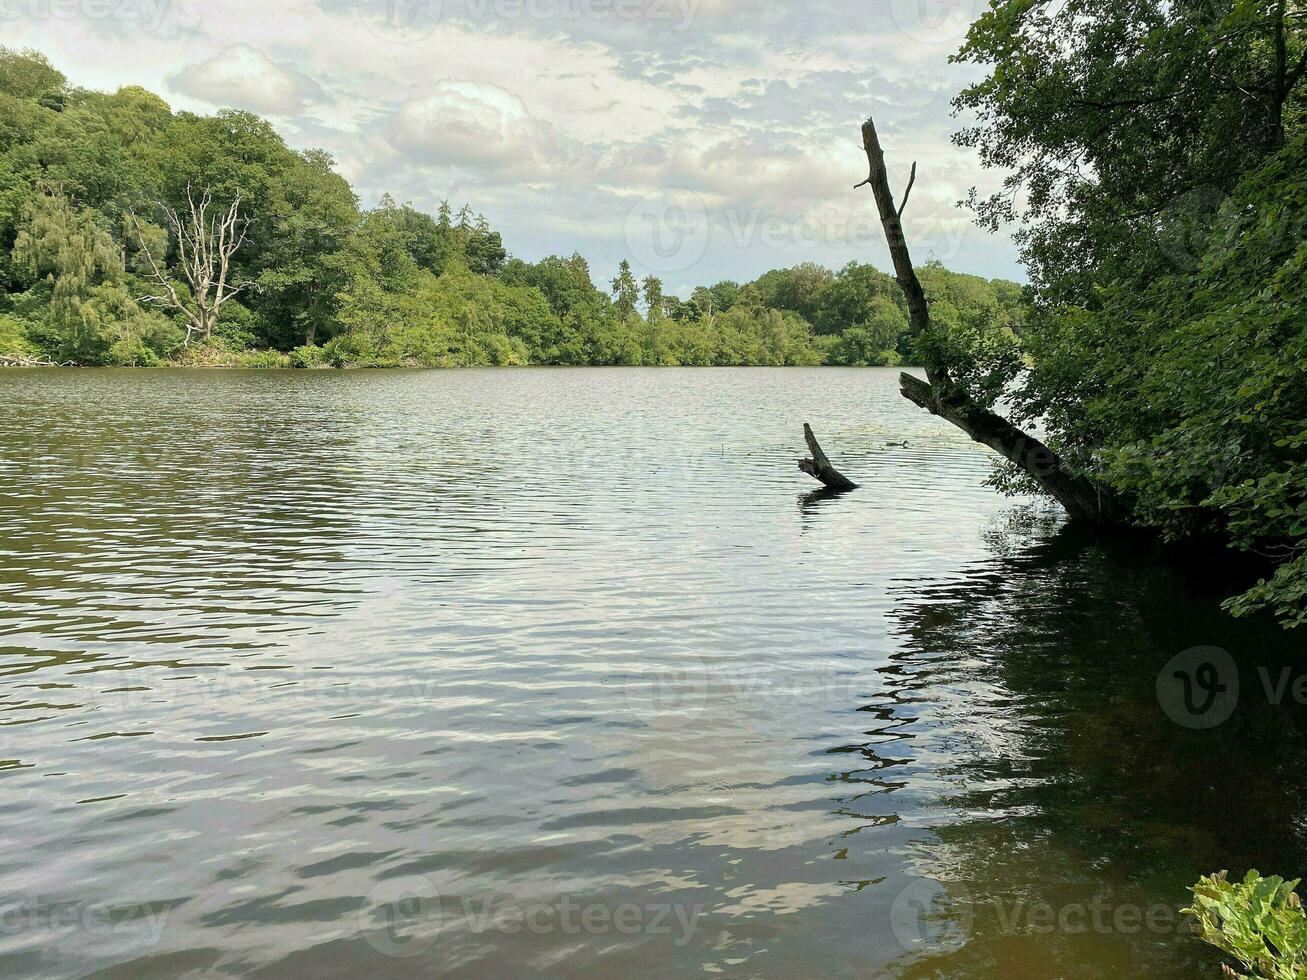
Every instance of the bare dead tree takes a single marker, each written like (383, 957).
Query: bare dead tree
(207, 240)
(939, 395)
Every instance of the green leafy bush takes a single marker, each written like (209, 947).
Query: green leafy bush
(307, 356)
(1259, 922)
(261, 359)
(13, 336)
(355, 349)
(238, 328)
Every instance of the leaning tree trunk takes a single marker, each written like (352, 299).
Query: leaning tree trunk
(1081, 497)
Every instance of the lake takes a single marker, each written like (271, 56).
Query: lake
(567, 673)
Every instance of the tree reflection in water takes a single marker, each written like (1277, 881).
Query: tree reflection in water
(1065, 813)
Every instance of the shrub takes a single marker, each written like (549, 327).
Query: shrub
(351, 350)
(307, 357)
(262, 359)
(13, 336)
(238, 328)
(1259, 922)
(131, 351)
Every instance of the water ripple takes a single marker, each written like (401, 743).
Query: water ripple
(412, 672)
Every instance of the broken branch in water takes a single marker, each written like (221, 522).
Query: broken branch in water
(819, 466)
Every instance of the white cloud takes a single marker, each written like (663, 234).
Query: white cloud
(553, 126)
(483, 128)
(244, 77)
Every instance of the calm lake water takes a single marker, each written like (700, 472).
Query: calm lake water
(554, 672)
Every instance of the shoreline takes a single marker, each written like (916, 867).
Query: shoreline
(183, 366)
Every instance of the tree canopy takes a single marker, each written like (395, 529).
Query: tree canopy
(1157, 160)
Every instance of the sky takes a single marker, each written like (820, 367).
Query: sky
(700, 139)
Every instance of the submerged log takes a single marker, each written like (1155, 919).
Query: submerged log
(819, 466)
(1083, 499)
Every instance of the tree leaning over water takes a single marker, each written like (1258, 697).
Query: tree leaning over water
(968, 401)
(1157, 160)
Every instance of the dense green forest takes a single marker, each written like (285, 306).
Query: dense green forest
(96, 196)
(1156, 155)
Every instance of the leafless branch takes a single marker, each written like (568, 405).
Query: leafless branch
(206, 244)
(911, 180)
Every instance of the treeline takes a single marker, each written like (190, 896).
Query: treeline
(97, 199)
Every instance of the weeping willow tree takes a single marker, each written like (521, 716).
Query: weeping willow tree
(78, 272)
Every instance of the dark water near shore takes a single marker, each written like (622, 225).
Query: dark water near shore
(560, 673)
